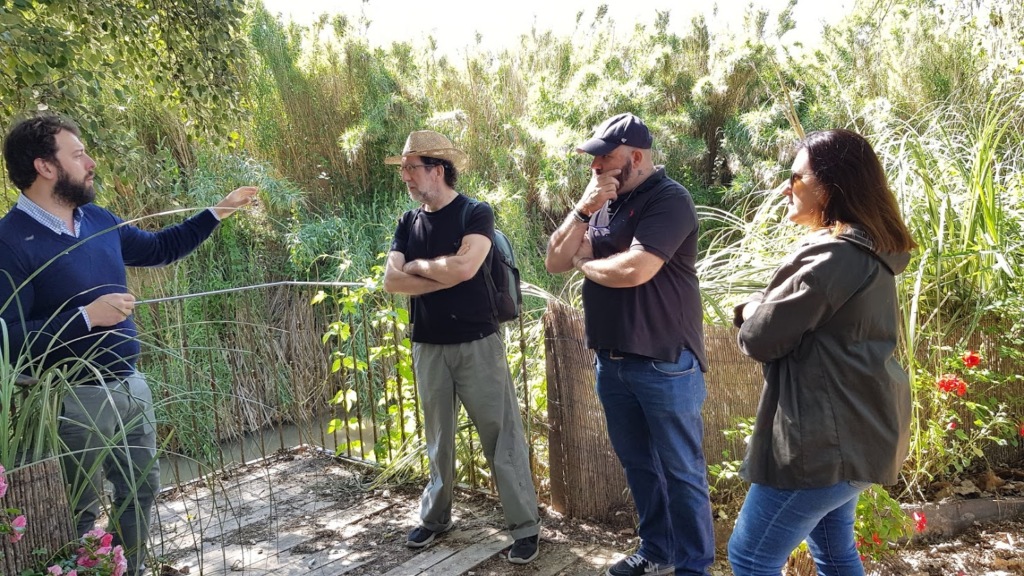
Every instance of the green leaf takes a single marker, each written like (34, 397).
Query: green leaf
(320, 295)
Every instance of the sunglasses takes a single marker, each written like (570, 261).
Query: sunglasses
(794, 177)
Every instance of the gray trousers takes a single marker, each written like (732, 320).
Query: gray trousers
(475, 374)
(109, 432)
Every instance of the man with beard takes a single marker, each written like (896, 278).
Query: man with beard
(458, 355)
(65, 301)
(633, 237)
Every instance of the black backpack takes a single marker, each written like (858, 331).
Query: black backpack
(500, 273)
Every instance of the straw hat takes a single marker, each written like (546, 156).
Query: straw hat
(431, 144)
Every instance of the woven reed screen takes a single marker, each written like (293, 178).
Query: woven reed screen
(38, 491)
(586, 478)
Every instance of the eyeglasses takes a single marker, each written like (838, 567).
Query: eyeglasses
(411, 167)
(797, 176)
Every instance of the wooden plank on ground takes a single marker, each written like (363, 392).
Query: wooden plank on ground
(342, 566)
(213, 520)
(449, 544)
(553, 560)
(236, 557)
(218, 528)
(423, 560)
(344, 520)
(317, 563)
(471, 557)
(228, 496)
(601, 558)
(288, 561)
(216, 481)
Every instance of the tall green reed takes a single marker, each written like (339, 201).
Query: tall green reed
(955, 170)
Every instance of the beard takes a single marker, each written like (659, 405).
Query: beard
(625, 173)
(71, 193)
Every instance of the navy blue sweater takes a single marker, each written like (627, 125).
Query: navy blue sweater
(45, 277)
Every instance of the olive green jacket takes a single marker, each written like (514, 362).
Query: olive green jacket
(835, 404)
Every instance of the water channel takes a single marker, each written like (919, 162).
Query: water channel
(178, 469)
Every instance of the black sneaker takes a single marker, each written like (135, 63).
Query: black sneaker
(524, 550)
(637, 565)
(422, 536)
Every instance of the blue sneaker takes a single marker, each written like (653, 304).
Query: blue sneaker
(637, 565)
(422, 536)
(524, 550)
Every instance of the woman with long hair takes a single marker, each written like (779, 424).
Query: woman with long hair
(834, 413)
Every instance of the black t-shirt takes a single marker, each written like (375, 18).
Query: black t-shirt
(664, 315)
(463, 312)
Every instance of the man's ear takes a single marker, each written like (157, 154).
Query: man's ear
(45, 169)
(637, 157)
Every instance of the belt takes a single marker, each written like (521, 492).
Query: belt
(26, 381)
(620, 355)
(111, 382)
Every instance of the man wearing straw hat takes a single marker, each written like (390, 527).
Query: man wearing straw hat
(458, 354)
(65, 300)
(632, 235)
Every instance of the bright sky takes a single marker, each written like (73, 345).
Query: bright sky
(455, 23)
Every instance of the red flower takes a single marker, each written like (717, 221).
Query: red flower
(971, 359)
(1022, 429)
(874, 536)
(920, 521)
(951, 383)
(947, 382)
(951, 426)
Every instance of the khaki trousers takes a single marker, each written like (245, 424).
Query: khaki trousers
(475, 375)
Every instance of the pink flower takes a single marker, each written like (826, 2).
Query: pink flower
(120, 562)
(72, 573)
(106, 539)
(18, 524)
(55, 570)
(3, 482)
(971, 359)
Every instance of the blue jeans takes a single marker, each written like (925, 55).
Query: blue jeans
(773, 522)
(653, 410)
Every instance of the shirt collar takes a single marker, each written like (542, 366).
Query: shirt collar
(54, 223)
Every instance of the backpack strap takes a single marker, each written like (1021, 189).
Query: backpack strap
(492, 290)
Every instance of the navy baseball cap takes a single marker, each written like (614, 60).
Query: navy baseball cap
(620, 130)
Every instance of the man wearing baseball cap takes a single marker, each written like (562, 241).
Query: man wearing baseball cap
(633, 237)
(458, 354)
